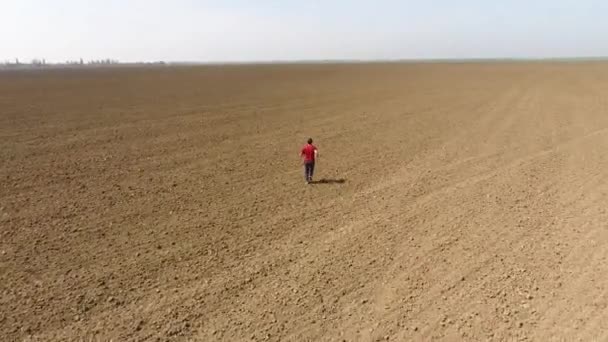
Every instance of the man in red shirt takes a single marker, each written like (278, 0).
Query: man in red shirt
(309, 155)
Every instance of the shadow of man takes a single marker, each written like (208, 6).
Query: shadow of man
(329, 181)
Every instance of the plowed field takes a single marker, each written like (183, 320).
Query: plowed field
(457, 201)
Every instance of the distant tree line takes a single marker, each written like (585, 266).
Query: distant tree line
(42, 62)
(80, 62)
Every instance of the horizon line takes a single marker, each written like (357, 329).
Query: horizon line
(8, 64)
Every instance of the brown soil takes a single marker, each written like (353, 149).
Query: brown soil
(169, 204)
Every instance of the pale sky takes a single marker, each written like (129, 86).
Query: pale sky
(240, 30)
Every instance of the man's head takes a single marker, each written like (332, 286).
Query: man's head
(310, 140)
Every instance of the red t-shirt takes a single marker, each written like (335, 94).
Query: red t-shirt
(308, 153)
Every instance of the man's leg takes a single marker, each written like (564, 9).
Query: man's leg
(312, 171)
(307, 172)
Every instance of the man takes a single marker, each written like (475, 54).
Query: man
(309, 155)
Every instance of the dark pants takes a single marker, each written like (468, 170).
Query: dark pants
(309, 169)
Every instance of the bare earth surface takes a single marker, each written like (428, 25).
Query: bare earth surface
(170, 204)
